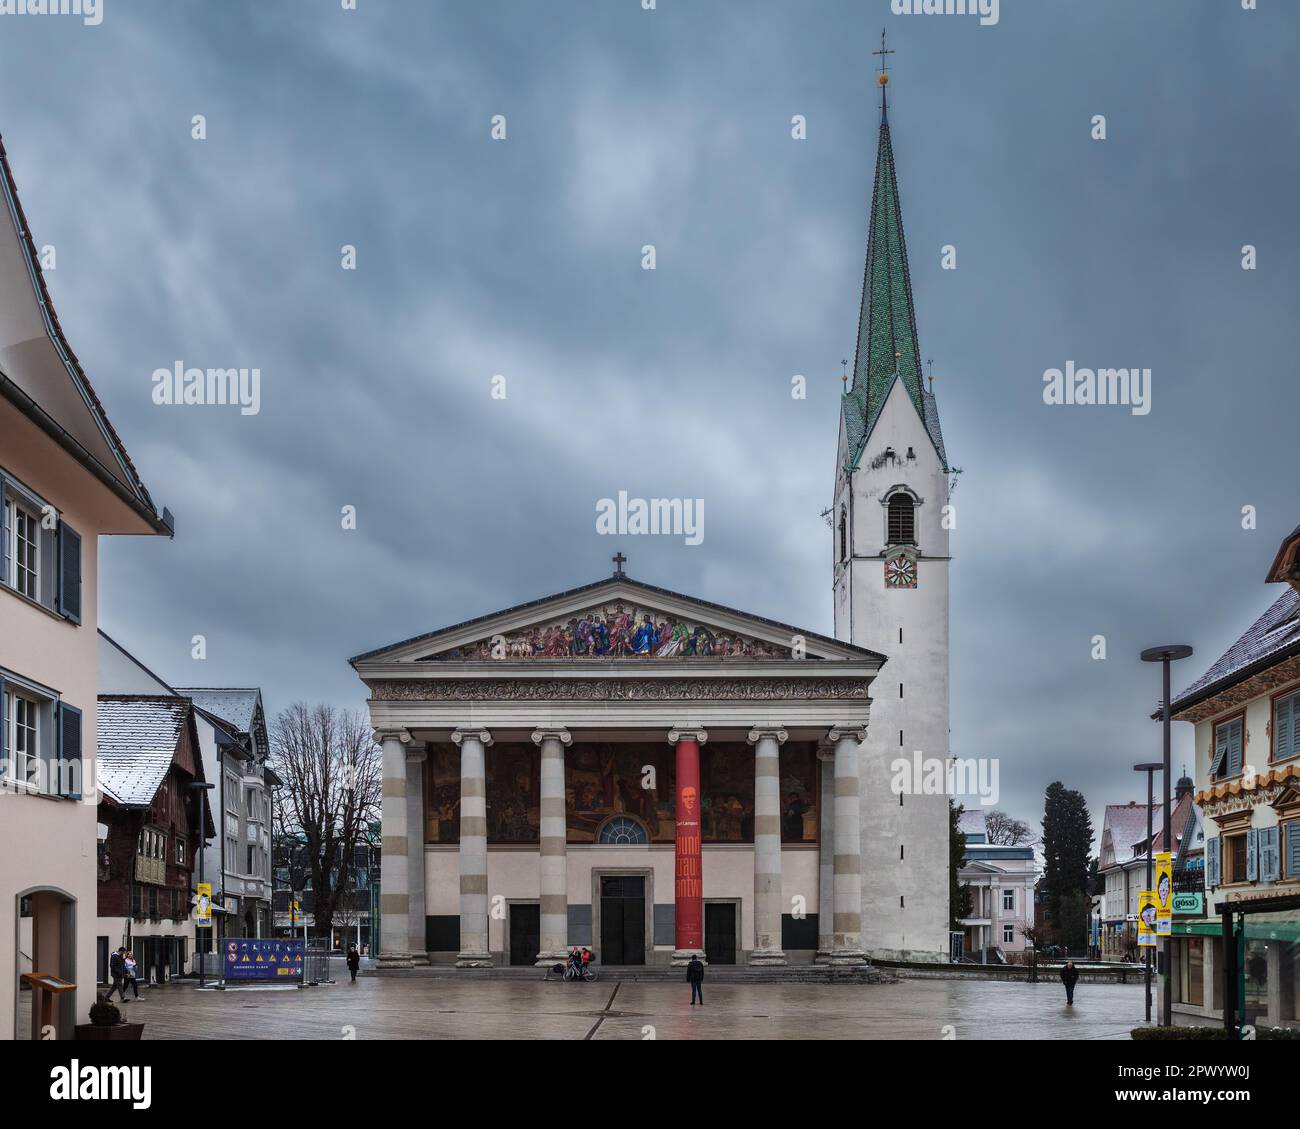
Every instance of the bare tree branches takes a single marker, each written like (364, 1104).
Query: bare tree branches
(1005, 831)
(332, 773)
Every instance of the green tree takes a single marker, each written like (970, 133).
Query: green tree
(1067, 851)
(959, 900)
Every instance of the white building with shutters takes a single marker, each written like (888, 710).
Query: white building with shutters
(65, 482)
(1245, 709)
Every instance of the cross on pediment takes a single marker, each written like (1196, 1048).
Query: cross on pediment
(619, 561)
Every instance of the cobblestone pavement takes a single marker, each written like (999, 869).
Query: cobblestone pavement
(396, 1007)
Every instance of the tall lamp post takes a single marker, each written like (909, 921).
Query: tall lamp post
(1150, 769)
(1165, 655)
(202, 787)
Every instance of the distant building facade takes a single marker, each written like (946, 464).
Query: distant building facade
(1001, 880)
(1246, 711)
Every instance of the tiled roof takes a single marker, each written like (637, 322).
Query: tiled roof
(238, 707)
(126, 475)
(887, 348)
(1274, 633)
(971, 822)
(1127, 824)
(137, 740)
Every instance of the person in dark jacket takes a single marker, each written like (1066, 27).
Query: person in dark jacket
(695, 978)
(354, 961)
(117, 970)
(1069, 977)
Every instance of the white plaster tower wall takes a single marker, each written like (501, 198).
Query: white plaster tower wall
(904, 846)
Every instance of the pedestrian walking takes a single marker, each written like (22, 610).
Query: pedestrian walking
(1069, 977)
(354, 961)
(695, 978)
(132, 970)
(117, 970)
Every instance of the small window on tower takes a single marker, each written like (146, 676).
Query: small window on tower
(844, 534)
(902, 520)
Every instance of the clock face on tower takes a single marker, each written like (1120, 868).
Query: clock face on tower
(900, 572)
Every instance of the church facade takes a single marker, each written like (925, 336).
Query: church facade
(656, 776)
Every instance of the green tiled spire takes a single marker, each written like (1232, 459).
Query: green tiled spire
(887, 323)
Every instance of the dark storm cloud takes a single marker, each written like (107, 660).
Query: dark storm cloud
(672, 127)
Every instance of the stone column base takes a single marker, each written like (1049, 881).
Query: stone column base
(682, 957)
(473, 960)
(822, 956)
(396, 960)
(554, 957)
(847, 956)
(767, 957)
(420, 960)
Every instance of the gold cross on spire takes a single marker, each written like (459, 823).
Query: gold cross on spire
(884, 63)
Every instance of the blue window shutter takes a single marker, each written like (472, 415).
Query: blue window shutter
(68, 782)
(1252, 855)
(1269, 855)
(1218, 762)
(69, 597)
(1235, 733)
(1293, 848)
(1284, 735)
(1212, 861)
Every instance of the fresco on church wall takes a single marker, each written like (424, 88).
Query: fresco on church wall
(605, 780)
(618, 630)
(442, 795)
(800, 794)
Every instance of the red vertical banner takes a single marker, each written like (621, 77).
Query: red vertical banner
(689, 876)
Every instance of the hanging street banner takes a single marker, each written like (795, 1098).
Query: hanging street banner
(1147, 909)
(252, 958)
(203, 906)
(1164, 892)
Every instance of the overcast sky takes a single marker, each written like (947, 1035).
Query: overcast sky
(522, 257)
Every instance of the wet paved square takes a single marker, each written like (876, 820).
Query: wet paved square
(423, 1007)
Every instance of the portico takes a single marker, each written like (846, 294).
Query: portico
(621, 767)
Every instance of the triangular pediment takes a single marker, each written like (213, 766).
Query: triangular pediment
(618, 620)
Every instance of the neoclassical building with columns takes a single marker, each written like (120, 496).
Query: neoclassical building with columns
(626, 768)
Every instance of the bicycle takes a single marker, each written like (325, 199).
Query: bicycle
(585, 972)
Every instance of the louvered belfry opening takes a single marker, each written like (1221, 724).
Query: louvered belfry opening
(902, 520)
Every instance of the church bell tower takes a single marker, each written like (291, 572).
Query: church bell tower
(890, 526)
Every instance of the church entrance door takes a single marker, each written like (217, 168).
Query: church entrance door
(525, 933)
(622, 919)
(720, 932)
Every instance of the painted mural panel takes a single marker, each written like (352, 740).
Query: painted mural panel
(514, 794)
(618, 630)
(727, 793)
(800, 794)
(442, 795)
(605, 781)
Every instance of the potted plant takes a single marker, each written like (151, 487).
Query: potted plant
(106, 1024)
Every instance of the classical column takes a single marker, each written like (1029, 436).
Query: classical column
(553, 890)
(415, 757)
(473, 848)
(394, 890)
(826, 854)
(688, 880)
(768, 897)
(846, 939)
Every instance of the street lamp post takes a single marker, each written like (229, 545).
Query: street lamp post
(202, 787)
(1150, 769)
(1165, 655)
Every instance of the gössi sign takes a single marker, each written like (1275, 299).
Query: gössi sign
(1189, 903)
